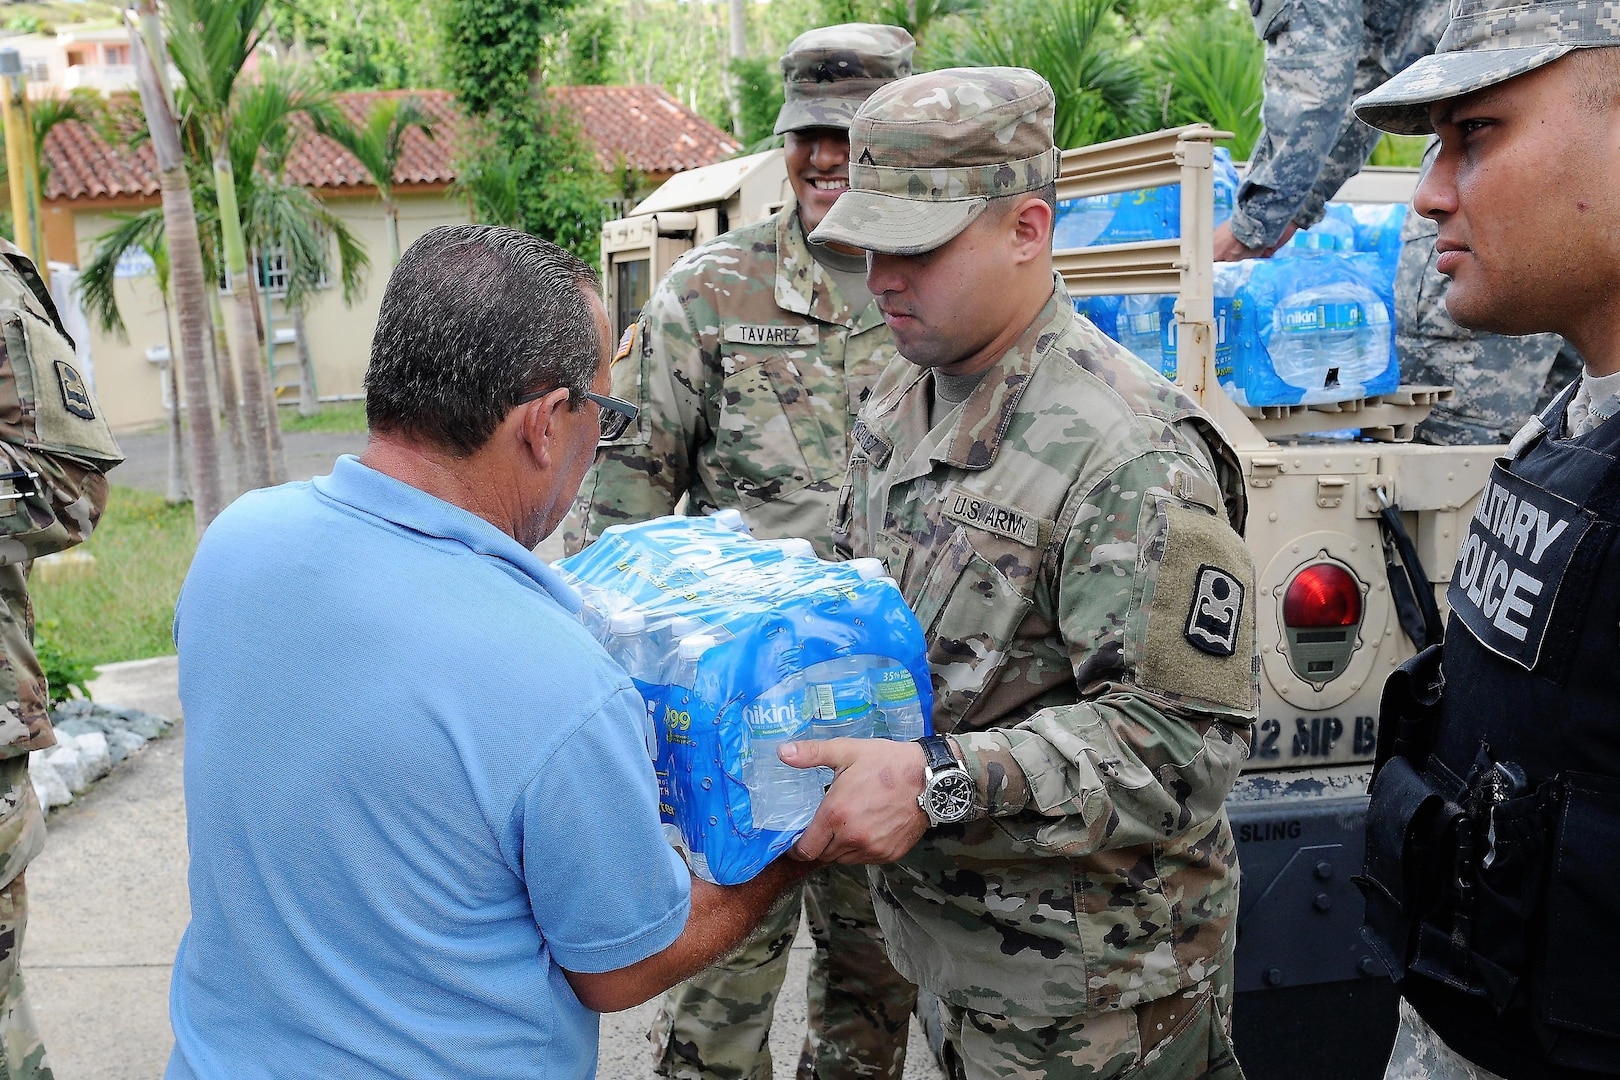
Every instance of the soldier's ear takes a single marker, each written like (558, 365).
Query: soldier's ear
(1031, 225)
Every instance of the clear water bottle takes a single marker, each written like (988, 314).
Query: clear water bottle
(1081, 222)
(680, 706)
(838, 696)
(780, 797)
(1330, 335)
(899, 706)
(1141, 329)
(638, 654)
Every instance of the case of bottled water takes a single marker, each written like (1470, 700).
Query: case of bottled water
(738, 646)
(1144, 214)
(1312, 328)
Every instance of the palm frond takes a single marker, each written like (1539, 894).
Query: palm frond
(289, 218)
(1213, 69)
(99, 278)
(378, 142)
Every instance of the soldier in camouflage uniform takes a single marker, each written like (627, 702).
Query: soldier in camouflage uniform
(1063, 521)
(54, 448)
(1319, 55)
(749, 363)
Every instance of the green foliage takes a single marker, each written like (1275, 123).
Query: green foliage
(64, 671)
(1399, 150)
(25, 24)
(584, 53)
(364, 44)
(1213, 70)
(123, 609)
(98, 280)
(45, 112)
(526, 159)
(1077, 46)
(378, 142)
(922, 17)
(759, 90)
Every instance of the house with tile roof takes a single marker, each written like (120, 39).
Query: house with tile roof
(90, 181)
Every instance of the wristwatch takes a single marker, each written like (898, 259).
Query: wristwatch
(947, 795)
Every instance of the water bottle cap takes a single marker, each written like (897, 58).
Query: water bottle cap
(797, 547)
(730, 518)
(630, 621)
(695, 645)
(684, 626)
(868, 568)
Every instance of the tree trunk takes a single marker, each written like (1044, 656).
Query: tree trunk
(265, 335)
(186, 269)
(242, 328)
(177, 458)
(230, 397)
(739, 49)
(391, 213)
(309, 403)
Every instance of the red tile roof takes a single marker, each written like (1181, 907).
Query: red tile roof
(652, 131)
(642, 123)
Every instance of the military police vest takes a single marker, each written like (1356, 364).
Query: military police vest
(1513, 914)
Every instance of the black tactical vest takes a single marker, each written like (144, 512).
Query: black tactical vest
(1493, 865)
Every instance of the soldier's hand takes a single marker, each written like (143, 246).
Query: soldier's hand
(1229, 248)
(870, 814)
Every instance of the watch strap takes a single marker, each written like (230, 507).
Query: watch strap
(937, 753)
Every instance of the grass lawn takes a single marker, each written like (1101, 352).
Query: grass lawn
(336, 417)
(122, 607)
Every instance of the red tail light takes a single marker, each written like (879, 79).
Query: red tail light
(1322, 595)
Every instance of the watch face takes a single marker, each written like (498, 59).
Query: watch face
(950, 796)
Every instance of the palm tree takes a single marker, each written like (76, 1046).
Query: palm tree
(1213, 68)
(378, 144)
(190, 284)
(210, 42)
(1099, 86)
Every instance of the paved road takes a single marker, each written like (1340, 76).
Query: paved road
(109, 905)
(309, 453)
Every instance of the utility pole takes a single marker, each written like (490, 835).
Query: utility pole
(22, 167)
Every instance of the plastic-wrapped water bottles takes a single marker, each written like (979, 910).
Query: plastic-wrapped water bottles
(839, 701)
(1141, 329)
(780, 797)
(676, 721)
(633, 647)
(899, 709)
(1330, 333)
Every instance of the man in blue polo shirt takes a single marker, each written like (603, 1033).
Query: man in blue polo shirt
(422, 822)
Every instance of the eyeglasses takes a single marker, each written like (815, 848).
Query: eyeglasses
(613, 420)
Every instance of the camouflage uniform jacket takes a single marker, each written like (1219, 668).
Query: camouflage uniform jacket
(1050, 537)
(1320, 56)
(54, 447)
(749, 368)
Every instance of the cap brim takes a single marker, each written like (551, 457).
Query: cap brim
(895, 226)
(1401, 105)
(822, 112)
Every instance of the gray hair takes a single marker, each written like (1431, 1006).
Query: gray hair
(474, 317)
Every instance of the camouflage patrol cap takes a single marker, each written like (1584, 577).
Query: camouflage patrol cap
(828, 72)
(1488, 42)
(928, 153)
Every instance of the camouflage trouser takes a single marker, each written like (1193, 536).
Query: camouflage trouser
(1181, 1037)
(22, 1053)
(717, 1025)
(1499, 381)
(1420, 1055)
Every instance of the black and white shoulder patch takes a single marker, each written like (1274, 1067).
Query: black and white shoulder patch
(1216, 612)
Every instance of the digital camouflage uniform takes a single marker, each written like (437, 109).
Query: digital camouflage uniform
(54, 448)
(1320, 55)
(749, 367)
(1066, 538)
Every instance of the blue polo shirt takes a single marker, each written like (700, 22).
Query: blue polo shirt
(416, 791)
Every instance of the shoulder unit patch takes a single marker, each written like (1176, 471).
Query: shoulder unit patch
(1217, 607)
(75, 395)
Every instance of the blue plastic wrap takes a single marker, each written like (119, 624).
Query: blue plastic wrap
(775, 618)
(1311, 329)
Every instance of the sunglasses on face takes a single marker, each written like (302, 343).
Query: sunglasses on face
(613, 420)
